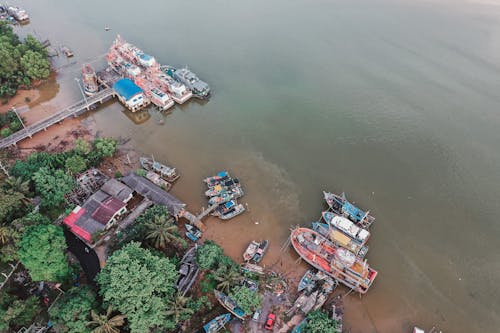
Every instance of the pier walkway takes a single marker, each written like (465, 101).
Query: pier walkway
(196, 220)
(75, 109)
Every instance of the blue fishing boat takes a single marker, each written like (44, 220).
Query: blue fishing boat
(307, 280)
(230, 304)
(217, 323)
(192, 232)
(339, 205)
(217, 179)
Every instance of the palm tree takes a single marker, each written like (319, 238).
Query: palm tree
(5, 233)
(105, 322)
(17, 184)
(162, 231)
(178, 307)
(227, 279)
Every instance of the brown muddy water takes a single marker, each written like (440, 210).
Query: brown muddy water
(394, 102)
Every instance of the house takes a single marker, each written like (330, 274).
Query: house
(130, 94)
(100, 211)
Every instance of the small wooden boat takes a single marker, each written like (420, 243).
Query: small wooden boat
(347, 227)
(188, 271)
(217, 323)
(225, 186)
(66, 51)
(226, 196)
(250, 250)
(252, 268)
(306, 281)
(166, 172)
(225, 208)
(237, 210)
(230, 304)
(339, 205)
(217, 179)
(157, 180)
(192, 232)
(261, 250)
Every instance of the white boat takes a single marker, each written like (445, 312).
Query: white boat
(347, 227)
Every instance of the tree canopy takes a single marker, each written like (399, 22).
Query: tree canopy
(52, 185)
(106, 147)
(319, 322)
(248, 300)
(42, 253)
(71, 313)
(16, 312)
(208, 255)
(140, 285)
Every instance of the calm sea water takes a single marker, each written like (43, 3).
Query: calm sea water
(395, 102)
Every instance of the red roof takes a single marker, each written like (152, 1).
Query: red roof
(108, 208)
(70, 221)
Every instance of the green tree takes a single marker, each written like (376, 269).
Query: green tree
(208, 255)
(5, 132)
(42, 253)
(75, 164)
(247, 299)
(11, 205)
(139, 285)
(106, 323)
(35, 65)
(227, 278)
(34, 45)
(52, 186)
(178, 309)
(82, 147)
(319, 322)
(162, 231)
(17, 184)
(18, 312)
(73, 311)
(106, 147)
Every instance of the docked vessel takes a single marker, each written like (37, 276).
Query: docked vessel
(225, 208)
(339, 205)
(340, 239)
(347, 227)
(226, 185)
(157, 180)
(89, 78)
(229, 304)
(187, 272)
(226, 196)
(217, 179)
(217, 323)
(338, 263)
(19, 14)
(168, 173)
(235, 211)
(192, 232)
(261, 250)
(250, 250)
(306, 281)
(199, 88)
(179, 92)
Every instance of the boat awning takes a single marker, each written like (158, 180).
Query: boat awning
(222, 174)
(340, 238)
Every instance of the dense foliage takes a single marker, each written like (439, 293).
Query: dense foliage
(52, 185)
(9, 123)
(72, 312)
(15, 312)
(139, 285)
(247, 299)
(208, 255)
(319, 322)
(20, 62)
(42, 253)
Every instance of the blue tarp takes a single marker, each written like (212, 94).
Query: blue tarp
(229, 204)
(353, 211)
(145, 57)
(126, 88)
(222, 174)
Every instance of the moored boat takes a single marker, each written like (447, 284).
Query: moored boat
(250, 250)
(339, 205)
(67, 51)
(192, 232)
(217, 323)
(89, 78)
(178, 91)
(188, 271)
(229, 304)
(340, 239)
(18, 13)
(261, 250)
(347, 227)
(226, 185)
(168, 173)
(226, 196)
(225, 208)
(214, 180)
(157, 180)
(339, 263)
(237, 210)
(199, 88)
(306, 281)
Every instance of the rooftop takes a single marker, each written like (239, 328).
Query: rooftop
(126, 88)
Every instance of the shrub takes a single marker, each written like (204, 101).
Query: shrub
(5, 132)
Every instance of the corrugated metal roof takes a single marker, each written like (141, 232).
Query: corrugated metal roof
(126, 88)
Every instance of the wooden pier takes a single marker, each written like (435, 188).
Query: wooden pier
(196, 220)
(75, 109)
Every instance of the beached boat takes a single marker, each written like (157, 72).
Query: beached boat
(300, 327)
(306, 281)
(230, 304)
(66, 51)
(217, 323)
(347, 227)
(89, 78)
(340, 239)
(199, 88)
(226, 196)
(19, 14)
(261, 250)
(192, 232)
(187, 272)
(250, 250)
(166, 172)
(217, 179)
(235, 211)
(252, 268)
(339, 205)
(157, 180)
(339, 263)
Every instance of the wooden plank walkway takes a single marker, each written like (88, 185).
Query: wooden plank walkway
(196, 220)
(75, 109)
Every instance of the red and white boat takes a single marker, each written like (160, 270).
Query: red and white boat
(339, 263)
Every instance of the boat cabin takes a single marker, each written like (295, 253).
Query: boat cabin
(130, 94)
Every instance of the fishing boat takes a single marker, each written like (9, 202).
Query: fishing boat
(157, 180)
(89, 78)
(230, 304)
(187, 272)
(217, 179)
(261, 250)
(217, 323)
(166, 172)
(226, 185)
(19, 14)
(237, 210)
(252, 268)
(66, 51)
(250, 250)
(225, 208)
(339, 205)
(341, 239)
(306, 281)
(226, 196)
(192, 232)
(339, 263)
(199, 88)
(347, 227)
